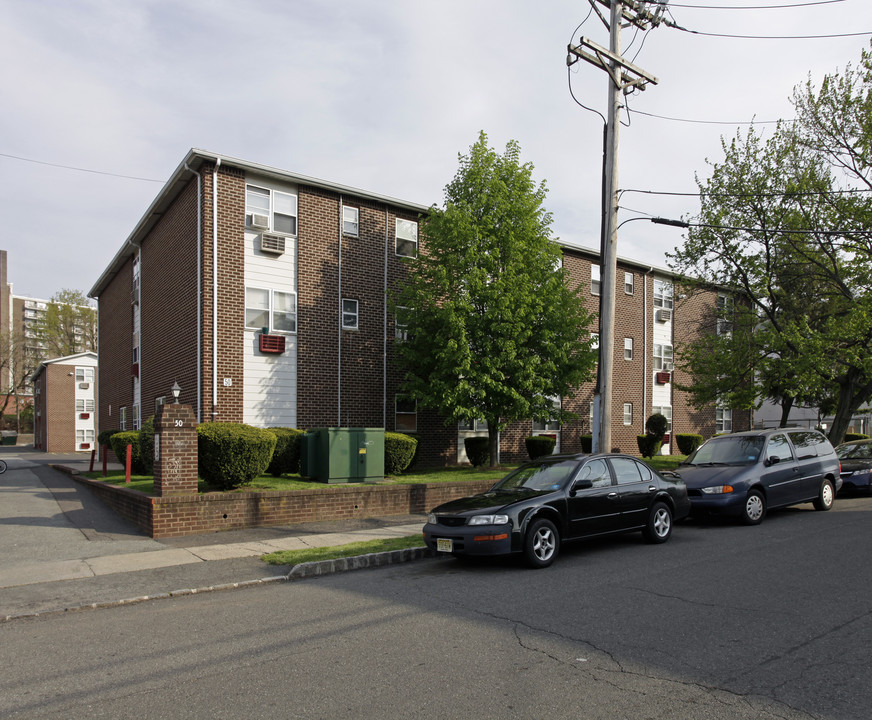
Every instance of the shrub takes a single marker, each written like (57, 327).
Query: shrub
(146, 446)
(587, 443)
(286, 456)
(104, 437)
(120, 441)
(649, 445)
(688, 442)
(231, 454)
(400, 450)
(539, 445)
(477, 450)
(657, 425)
(855, 436)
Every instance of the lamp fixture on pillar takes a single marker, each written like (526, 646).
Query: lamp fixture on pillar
(177, 390)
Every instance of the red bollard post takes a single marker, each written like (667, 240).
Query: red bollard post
(105, 456)
(93, 453)
(127, 464)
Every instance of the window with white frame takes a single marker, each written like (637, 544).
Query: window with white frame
(405, 414)
(725, 314)
(594, 341)
(401, 324)
(628, 348)
(350, 220)
(84, 374)
(349, 314)
(122, 418)
(270, 210)
(407, 238)
(629, 283)
(474, 426)
(136, 418)
(550, 425)
(723, 420)
(594, 279)
(628, 413)
(275, 310)
(662, 356)
(663, 294)
(136, 347)
(665, 411)
(84, 405)
(84, 436)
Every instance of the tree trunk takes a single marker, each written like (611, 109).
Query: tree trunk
(493, 437)
(851, 397)
(786, 407)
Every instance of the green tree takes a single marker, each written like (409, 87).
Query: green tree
(494, 330)
(69, 325)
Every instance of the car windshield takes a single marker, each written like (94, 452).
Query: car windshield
(728, 450)
(855, 451)
(538, 476)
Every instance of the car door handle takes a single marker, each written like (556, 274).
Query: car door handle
(651, 488)
(612, 495)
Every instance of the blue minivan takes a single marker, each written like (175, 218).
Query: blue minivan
(744, 474)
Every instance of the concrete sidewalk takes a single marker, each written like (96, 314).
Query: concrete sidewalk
(62, 549)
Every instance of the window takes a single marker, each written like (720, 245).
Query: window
(779, 447)
(84, 405)
(122, 418)
(350, 220)
(628, 348)
(665, 411)
(628, 413)
(594, 279)
(474, 426)
(84, 374)
(271, 309)
(550, 425)
(136, 347)
(724, 421)
(663, 294)
(349, 314)
(136, 424)
(405, 414)
(662, 357)
(407, 238)
(597, 472)
(629, 284)
(401, 324)
(84, 436)
(626, 470)
(279, 209)
(725, 314)
(594, 341)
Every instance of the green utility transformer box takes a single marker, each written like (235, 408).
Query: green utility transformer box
(342, 455)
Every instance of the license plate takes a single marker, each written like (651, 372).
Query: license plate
(444, 545)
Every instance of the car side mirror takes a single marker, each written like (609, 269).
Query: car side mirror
(773, 460)
(582, 485)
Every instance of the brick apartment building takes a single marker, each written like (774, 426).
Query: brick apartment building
(64, 404)
(263, 294)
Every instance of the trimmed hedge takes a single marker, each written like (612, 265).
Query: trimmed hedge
(477, 450)
(231, 454)
(286, 456)
(400, 451)
(146, 446)
(688, 442)
(656, 425)
(539, 445)
(587, 444)
(855, 436)
(104, 437)
(120, 441)
(649, 445)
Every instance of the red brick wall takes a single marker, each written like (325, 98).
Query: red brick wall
(60, 407)
(115, 385)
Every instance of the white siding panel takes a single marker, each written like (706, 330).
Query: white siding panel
(269, 394)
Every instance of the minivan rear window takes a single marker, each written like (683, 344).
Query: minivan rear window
(808, 444)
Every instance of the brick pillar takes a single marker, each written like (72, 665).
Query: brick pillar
(175, 451)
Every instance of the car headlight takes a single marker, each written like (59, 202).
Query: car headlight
(431, 518)
(489, 520)
(717, 489)
(860, 472)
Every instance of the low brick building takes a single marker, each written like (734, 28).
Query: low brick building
(263, 294)
(64, 404)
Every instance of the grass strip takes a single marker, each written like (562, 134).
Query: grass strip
(295, 557)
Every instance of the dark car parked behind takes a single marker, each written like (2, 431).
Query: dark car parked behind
(555, 499)
(856, 458)
(746, 473)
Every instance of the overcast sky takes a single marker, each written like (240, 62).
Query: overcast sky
(375, 94)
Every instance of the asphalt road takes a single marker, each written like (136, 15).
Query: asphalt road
(722, 621)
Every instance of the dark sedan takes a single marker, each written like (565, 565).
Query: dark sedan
(856, 458)
(554, 499)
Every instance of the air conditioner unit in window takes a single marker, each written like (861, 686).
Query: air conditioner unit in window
(260, 221)
(663, 316)
(667, 366)
(273, 244)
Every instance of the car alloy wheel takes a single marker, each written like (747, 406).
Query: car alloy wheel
(826, 496)
(755, 508)
(541, 544)
(659, 526)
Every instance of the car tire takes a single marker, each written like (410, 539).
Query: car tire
(658, 529)
(541, 543)
(754, 509)
(826, 496)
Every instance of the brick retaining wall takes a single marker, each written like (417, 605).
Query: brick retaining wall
(163, 517)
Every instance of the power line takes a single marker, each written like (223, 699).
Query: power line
(771, 194)
(770, 37)
(79, 169)
(755, 7)
(711, 122)
(786, 231)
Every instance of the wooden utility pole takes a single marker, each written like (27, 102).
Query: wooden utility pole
(624, 78)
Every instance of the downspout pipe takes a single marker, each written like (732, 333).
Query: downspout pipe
(199, 292)
(385, 333)
(215, 289)
(339, 331)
